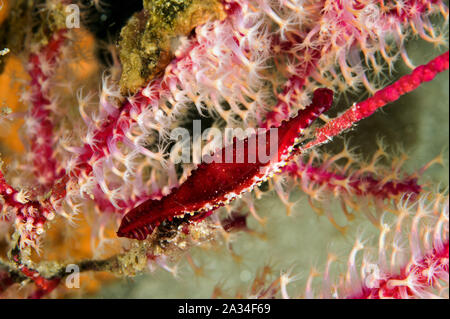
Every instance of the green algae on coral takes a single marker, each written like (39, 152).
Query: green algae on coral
(145, 42)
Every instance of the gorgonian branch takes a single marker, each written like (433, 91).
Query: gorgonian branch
(391, 93)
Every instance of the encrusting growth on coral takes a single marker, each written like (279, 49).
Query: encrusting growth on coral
(102, 155)
(150, 39)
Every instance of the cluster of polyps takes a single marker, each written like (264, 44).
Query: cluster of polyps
(412, 259)
(28, 216)
(233, 70)
(211, 184)
(41, 67)
(408, 259)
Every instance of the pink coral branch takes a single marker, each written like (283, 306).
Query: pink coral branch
(42, 66)
(412, 279)
(362, 110)
(352, 183)
(30, 216)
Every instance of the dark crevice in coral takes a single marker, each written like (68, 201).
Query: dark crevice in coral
(106, 21)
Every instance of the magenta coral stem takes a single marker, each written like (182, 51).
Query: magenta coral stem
(42, 67)
(359, 111)
(357, 185)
